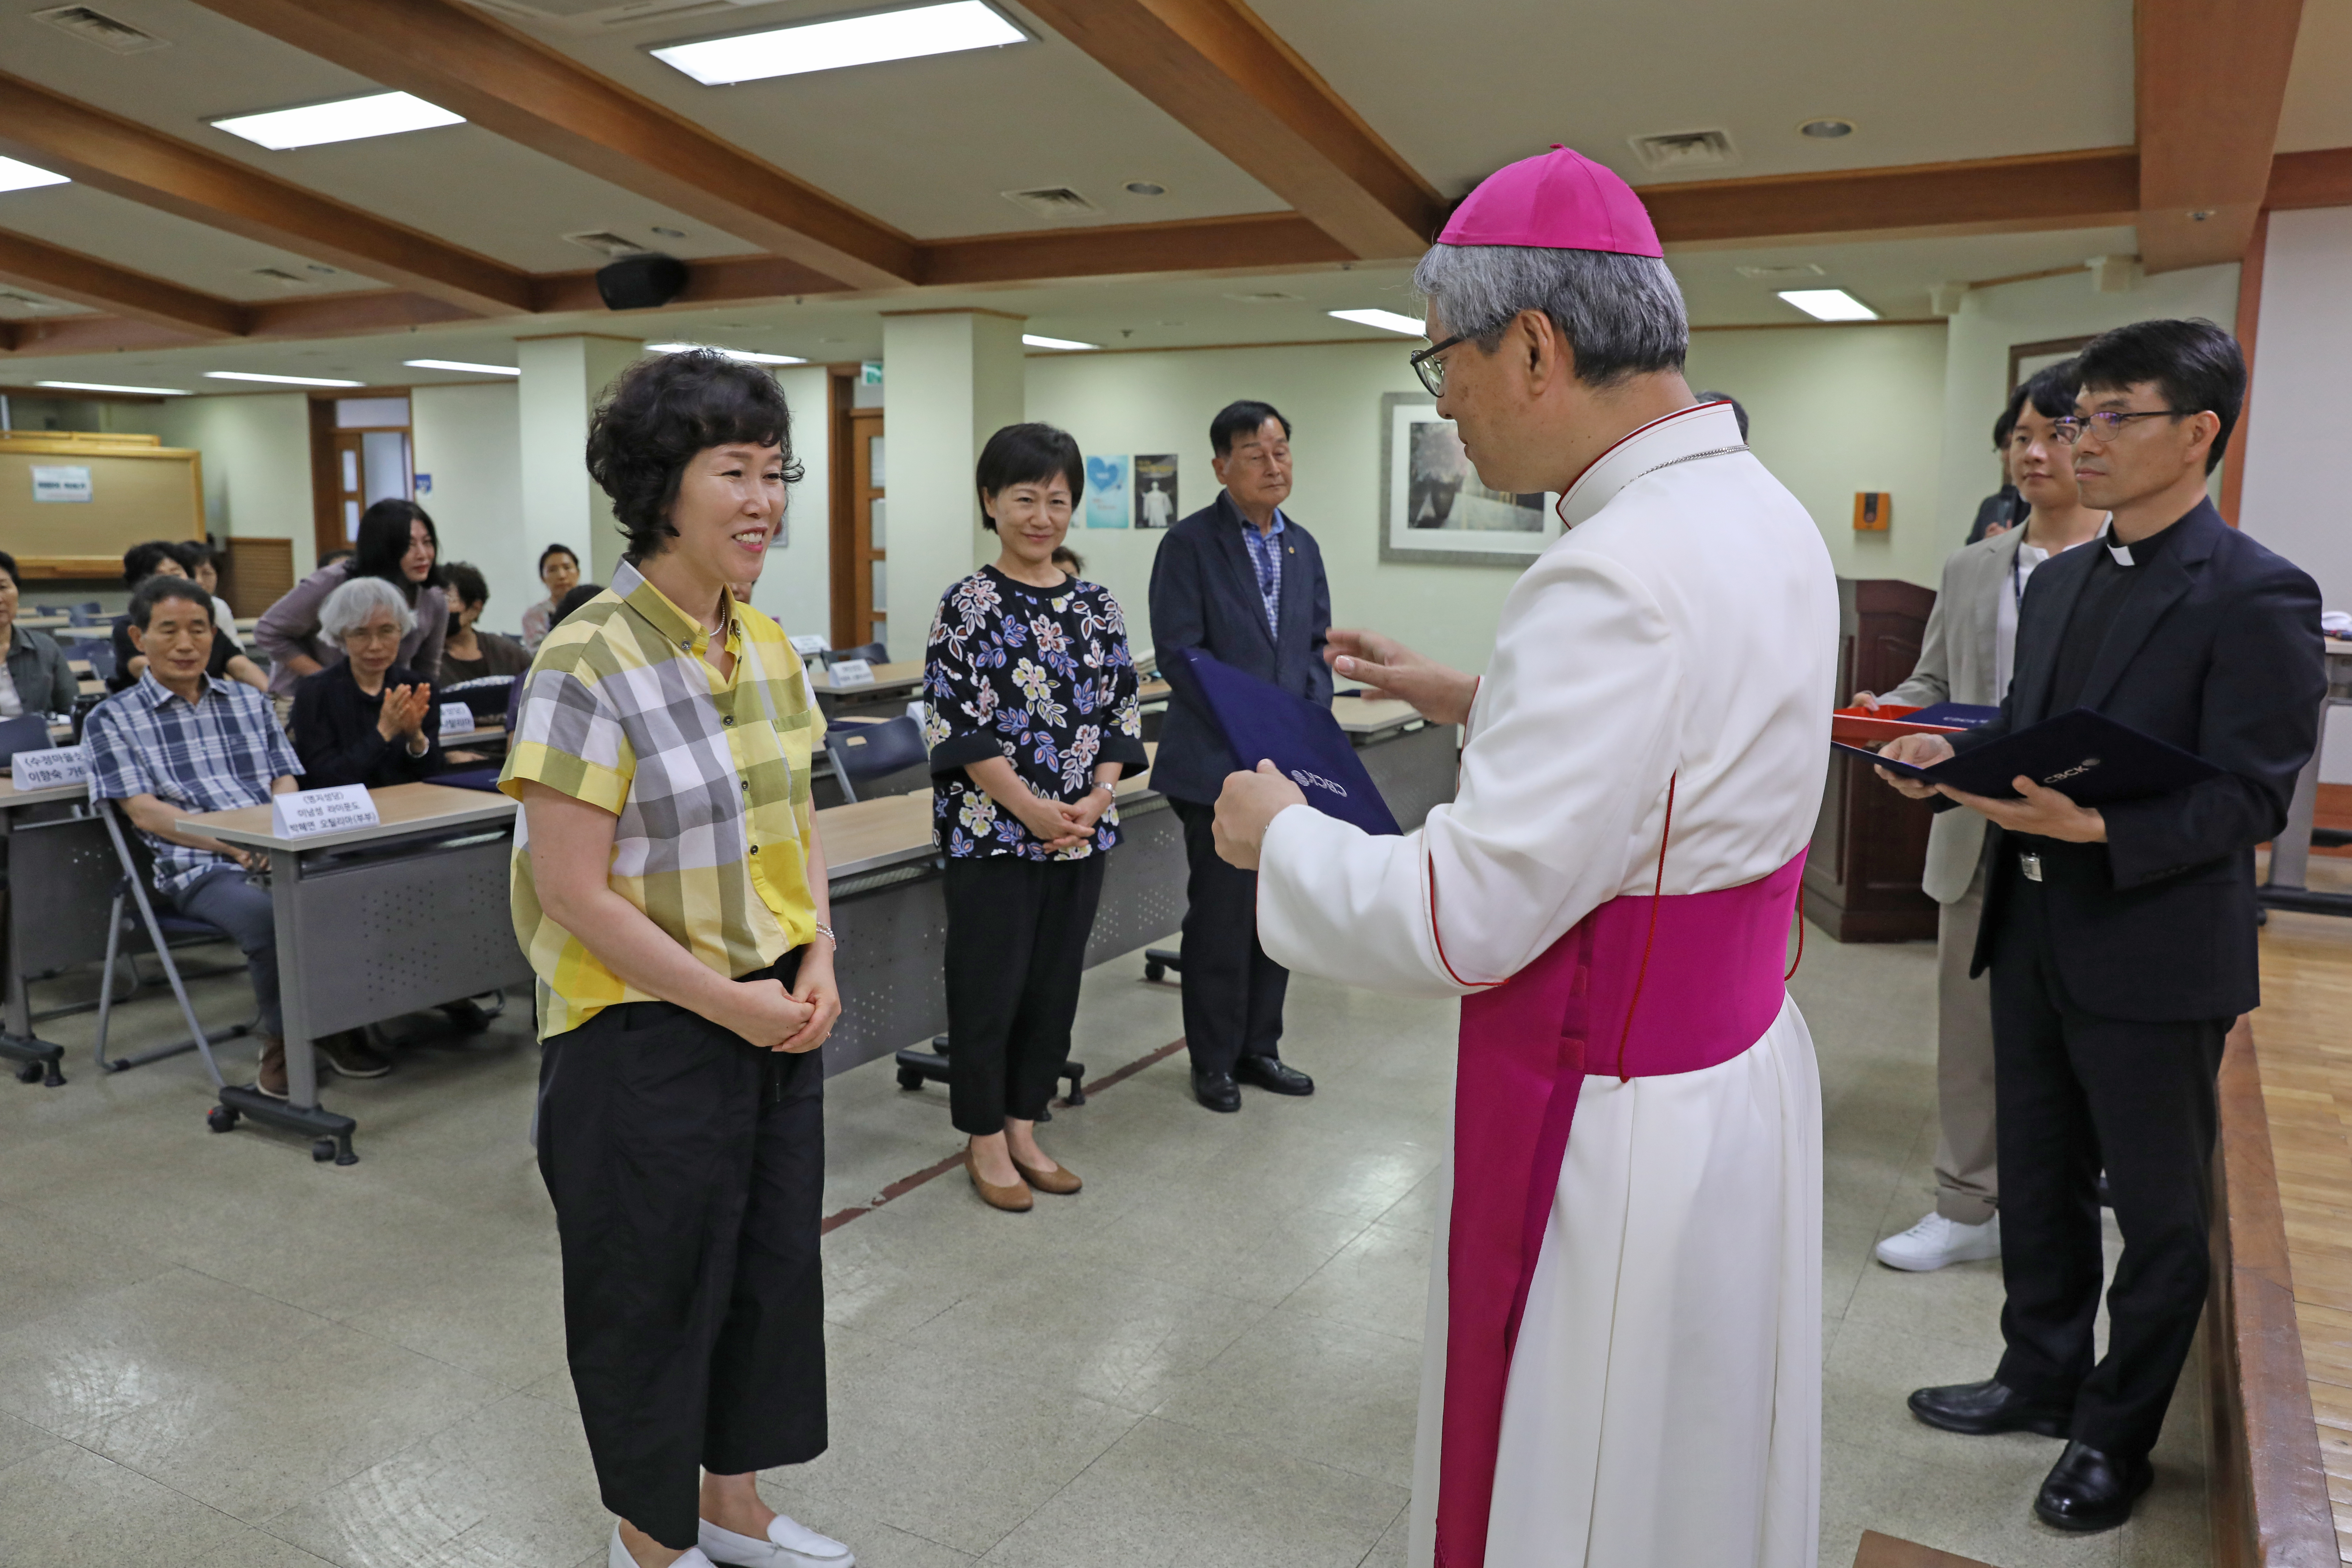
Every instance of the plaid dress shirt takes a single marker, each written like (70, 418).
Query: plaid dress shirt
(1265, 554)
(710, 778)
(213, 755)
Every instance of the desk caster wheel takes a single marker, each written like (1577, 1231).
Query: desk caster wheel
(1155, 971)
(221, 1119)
(29, 1073)
(910, 1077)
(322, 1150)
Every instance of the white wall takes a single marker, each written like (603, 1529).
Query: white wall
(469, 438)
(954, 378)
(257, 464)
(794, 586)
(1834, 410)
(2298, 459)
(1976, 377)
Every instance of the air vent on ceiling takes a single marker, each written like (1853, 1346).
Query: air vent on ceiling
(283, 278)
(599, 16)
(606, 243)
(93, 25)
(1052, 202)
(1677, 150)
(1782, 274)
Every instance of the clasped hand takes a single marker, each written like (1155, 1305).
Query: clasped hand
(775, 1019)
(2043, 812)
(404, 711)
(1064, 824)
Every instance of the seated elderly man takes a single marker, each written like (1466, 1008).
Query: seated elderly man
(179, 741)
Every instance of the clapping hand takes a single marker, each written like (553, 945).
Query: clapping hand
(1388, 669)
(404, 711)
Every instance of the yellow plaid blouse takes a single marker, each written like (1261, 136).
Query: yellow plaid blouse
(709, 777)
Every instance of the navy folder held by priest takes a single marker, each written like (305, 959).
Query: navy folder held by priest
(2088, 757)
(1264, 721)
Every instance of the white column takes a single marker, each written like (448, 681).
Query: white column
(954, 378)
(561, 380)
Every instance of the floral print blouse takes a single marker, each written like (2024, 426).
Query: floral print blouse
(1040, 677)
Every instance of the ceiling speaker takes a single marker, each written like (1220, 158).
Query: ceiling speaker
(641, 282)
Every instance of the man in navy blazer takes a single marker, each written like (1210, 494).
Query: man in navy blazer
(1245, 583)
(2121, 939)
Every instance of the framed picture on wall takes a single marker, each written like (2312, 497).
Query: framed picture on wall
(1155, 489)
(1433, 507)
(1107, 501)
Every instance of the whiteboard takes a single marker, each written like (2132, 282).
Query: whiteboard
(137, 491)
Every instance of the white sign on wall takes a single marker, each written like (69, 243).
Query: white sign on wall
(60, 482)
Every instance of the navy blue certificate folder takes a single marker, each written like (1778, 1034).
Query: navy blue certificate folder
(1264, 722)
(2085, 756)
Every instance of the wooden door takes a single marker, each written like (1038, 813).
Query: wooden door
(861, 582)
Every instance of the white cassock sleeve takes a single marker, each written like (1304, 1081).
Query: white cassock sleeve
(1563, 782)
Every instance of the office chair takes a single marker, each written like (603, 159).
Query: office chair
(919, 1067)
(484, 778)
(26, 732)
(99, 654)
(161, 929)
(872, 653)
(866, 755)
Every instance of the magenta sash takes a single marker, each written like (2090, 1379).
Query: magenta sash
(1714, 985)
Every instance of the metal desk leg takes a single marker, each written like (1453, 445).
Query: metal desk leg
(300, 1111)
(2285, 888)
(37, 1057)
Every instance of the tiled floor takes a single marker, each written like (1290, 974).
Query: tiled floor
(214, 1352)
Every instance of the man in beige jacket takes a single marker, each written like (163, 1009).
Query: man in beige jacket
(1966, 656)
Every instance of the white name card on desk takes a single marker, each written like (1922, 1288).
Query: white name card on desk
(47, 770)
(313, 811)
(808, 645)
(853, 672)
(457, 718)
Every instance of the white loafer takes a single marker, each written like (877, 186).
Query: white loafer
(1936, 1241)
(789, 1545)
(617, 1555)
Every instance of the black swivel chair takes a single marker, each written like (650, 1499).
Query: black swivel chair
(874, 760)
(872, 653)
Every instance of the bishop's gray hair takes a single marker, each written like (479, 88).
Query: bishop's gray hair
(1621, 314)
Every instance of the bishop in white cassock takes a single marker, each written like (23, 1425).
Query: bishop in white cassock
(1623, 1361)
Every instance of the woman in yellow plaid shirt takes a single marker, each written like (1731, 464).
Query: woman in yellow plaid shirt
(670, 889)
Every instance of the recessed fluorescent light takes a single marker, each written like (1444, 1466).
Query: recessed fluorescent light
(1828, 304)
(16, 176)
(1387, 320)
(1031, 340)
(279, 380)
(379, 114)
(844, 41)
(461, 364)
(101, 386)
(746, 355)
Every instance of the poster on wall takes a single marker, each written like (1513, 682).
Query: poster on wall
(1107, 502)
(1433, 507)
(1155, 490)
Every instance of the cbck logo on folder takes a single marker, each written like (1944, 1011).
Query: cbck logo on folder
(1263, 722)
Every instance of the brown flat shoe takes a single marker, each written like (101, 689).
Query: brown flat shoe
(1061, 1180)
(1014, 1199)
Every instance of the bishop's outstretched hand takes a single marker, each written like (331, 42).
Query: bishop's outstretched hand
(1388, 669)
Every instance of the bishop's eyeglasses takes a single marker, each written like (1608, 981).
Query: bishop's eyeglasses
(1430, 368)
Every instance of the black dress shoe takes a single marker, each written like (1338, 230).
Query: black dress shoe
(1979, 1408)
(1217, 1090)
(1272, 1073)
(2087, 1491)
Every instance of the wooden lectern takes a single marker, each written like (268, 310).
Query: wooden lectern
(1870, 846)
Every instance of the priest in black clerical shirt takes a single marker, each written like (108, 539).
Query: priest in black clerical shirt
(2121, 940)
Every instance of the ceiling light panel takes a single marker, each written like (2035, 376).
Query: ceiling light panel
(1031, 340)
(462, 364)
(841, 42)
(352, 120)
(16, 176)
(102, 386)
(279, 380)
(746, 355)
(1828, 304)
(1388, 320)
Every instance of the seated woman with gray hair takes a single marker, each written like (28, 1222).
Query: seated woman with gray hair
(366, 720)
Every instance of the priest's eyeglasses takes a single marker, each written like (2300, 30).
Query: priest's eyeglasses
(2109, 421)
(1430, 368)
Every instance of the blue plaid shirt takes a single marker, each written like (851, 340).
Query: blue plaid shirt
(214, 756)
(1265, 554)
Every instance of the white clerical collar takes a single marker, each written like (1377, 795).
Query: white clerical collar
(1704, 430)
(2122, 553)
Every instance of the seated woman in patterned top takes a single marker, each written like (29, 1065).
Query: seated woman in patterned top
(1032, 718)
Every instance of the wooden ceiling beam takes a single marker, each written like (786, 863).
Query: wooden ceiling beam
(2211, 77)
(1226, 77)
(1255, 242)
(1986, 196)
(2316, 179)
(129, 160)
(510, 83)
(86, 280)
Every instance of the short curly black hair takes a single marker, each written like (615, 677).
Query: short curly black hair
(658, 414)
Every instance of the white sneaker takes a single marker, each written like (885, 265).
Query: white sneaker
(789, 1545)
(617, 1555)
(1937, 1241)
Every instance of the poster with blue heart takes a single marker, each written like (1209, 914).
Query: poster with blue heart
(1107, 499)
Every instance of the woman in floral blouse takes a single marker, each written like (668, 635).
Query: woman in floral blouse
(1032, 718)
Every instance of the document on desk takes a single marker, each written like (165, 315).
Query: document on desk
(2088, 757)
(1262, 722)
(308, 811)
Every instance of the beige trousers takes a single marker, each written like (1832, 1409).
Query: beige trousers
(1968, 1186)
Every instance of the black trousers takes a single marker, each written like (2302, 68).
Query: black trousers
(2072, 1090)
(687, 1166)
(1233, 990)
(1017, 932)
